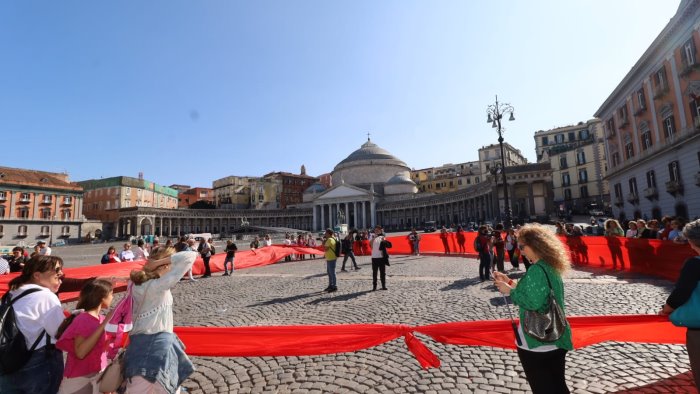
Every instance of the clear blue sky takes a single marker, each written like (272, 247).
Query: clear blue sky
(192, 91)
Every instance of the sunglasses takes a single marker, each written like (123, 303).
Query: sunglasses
(521, 247)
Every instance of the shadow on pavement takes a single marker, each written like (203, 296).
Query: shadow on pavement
(682, 383)
(461, 284)
(341, 297)
(285, 300)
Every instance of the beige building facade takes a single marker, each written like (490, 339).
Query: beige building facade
(490, 157)
(448, 177)
(232, 192)
(577, 156)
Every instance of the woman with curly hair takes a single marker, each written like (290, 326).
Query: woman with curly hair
(155, 361)
(613, 228)
(544, 362)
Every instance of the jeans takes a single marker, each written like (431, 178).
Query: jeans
(352, 256)
(207, 270)
(545, 370)
(226, 261)
(484, 265)
(330, 267)
(378, 265)
(41, 375)
(416, 247)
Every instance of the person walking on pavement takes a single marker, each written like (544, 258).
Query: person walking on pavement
(380, 257)
(204, 250)
(231, 249)
(346, 245)
(329, 245)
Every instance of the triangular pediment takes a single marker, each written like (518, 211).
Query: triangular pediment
(342, 191)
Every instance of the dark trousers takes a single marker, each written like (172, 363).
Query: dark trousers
(692, 342)
(545, 371)
(350, 254)
(378, 265)
(499, 258)
(484, 265)
(207, 269)
(513, 258)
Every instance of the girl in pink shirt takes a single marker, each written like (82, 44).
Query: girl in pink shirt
(83, 337)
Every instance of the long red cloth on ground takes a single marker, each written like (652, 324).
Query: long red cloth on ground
(654, 257)
(244, 259)
(316, 340)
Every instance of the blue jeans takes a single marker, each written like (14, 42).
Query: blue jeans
(352, 256)
(416, 247)
(41, 375)
(228, 260)
(330, 267)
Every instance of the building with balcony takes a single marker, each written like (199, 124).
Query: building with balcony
(448, 177)
(490, 157)
(651, 122)
(38, 205)
(232, 192)
(278, 190)
(104, 197)
(577, 157)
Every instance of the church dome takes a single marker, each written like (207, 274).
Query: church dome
(369, 165)
(372, 152)
(400, 179)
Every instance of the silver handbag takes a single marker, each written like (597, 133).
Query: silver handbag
(548, 326)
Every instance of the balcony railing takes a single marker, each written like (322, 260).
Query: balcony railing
(46, 201)
(24, 199)
(3, 197)
(650, 193)
(633, 198)
(674, 187)
(66, 201)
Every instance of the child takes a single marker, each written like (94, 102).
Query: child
(82, 337)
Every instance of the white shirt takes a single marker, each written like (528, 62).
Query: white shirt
(267, 242)
(376, 242)
(37, 312)
(126, 255)
(155, 313)
(45, 251)
(140, 254)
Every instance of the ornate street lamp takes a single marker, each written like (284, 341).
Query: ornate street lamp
(495, 115)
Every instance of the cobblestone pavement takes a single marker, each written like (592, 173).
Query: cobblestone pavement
(422, 290)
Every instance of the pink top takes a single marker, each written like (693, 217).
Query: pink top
(96, 360)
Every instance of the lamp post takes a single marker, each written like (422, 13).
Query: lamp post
(495, 115)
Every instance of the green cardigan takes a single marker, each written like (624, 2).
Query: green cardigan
(531, 294)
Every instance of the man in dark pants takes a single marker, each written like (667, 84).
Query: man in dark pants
(346, 244)
(380, 258)
(204, 250)
(482, 244)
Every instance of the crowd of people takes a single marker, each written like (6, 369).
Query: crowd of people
(155, 361)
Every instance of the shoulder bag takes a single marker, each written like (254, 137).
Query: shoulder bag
(112, 377)
(688, 314)
(548, 326)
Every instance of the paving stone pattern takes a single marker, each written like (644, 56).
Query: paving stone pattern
(422, 290)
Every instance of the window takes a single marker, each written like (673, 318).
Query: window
(688, 53)
(669, 127)
(22, 230)
(646, 140)
(545, 141)
(651, 179)
(660, 80)
(2, 230)
(67, 200)
(3, 196)
(44, 230)
(616, 159)
(618, 190)
(562, 162)
(633, 186)
(584, 191)
(559, 138)
(629, 151)
(622, 113)
(584, 134)
(128, 191)
(65, 230)
(127, 204)
(565, 180)
(611, 126)
(694, 111)
(572, 136)
(674, 171)
(23, 212)
(582, 176)
(567, 194)
(580, 157)
(46, 213)
(641, 101)
(65, 214)
(2, 211)
(47, 199)
(24, 197)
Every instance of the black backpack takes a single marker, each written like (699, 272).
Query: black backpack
(13, 345)
(477, 244)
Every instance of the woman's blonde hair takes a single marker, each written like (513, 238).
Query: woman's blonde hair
(546, 245)
(159, 253)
